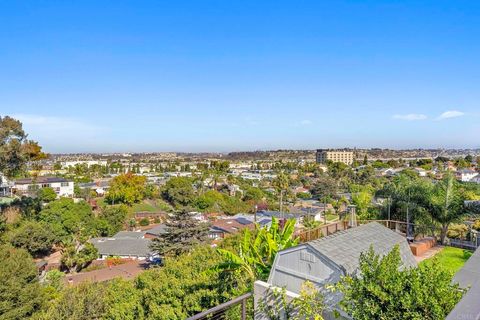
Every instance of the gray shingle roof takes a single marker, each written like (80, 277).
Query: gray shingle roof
(344, 247)
(157, 230)
(122, 246)
(129, 234)
(41, 180)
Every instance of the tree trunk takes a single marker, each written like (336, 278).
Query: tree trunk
(443, 233)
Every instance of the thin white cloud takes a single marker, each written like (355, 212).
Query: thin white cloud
(56, 123)
(450, 114)
(305, 122)
(56, 133)
(410, 117)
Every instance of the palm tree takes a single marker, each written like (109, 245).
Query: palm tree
(446, 204)
(281, 184)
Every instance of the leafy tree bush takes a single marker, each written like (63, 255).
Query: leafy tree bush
(115, 217)
(144, 222)
(46, 194)
(457, 231)
(83, 302)
(309, 305)
(20, 293)
(178, 191)
(304, 195)
(35, 237)
(54, 279)
(215, 201)
(257, 252)
(77, 254)
(254, 194)
(186, 285)
(383, 290)
(17, 150)
(66, 217)
(123, 301)
(127, 188)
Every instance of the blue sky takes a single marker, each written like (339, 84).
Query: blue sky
(107, 76)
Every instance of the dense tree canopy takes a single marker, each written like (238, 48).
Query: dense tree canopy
(179, 192)
(46, 194)
(114, 218)
(66, 218)
(127, 188)
(383, 290)
(20, 292)
(35, 237)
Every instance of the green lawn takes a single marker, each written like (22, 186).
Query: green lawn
(149, 206)
(331, 217)
(451, 258)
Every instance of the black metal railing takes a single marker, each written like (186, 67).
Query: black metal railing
(240, 308)
(464, 244)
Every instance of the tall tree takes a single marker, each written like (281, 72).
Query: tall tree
(446, 204)
(183, 233)
(15, 147)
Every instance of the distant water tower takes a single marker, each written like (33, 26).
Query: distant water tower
(352, 222)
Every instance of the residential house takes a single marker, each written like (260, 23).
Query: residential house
(156, 231)
(124, 244)
(466, 175)
(30, 186)
(476, 179)
(247, 218)
(324, 261)
(222, 228)
(421, 172)
(99, 186)
(385, 172)
(5, 186)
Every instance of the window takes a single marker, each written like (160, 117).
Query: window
(64, 184)
(45, 185)
(33, 187)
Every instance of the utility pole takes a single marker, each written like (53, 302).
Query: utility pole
(408, 214)
(281, 204)
(389, 209)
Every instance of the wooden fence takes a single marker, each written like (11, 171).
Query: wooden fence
(328, 229)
